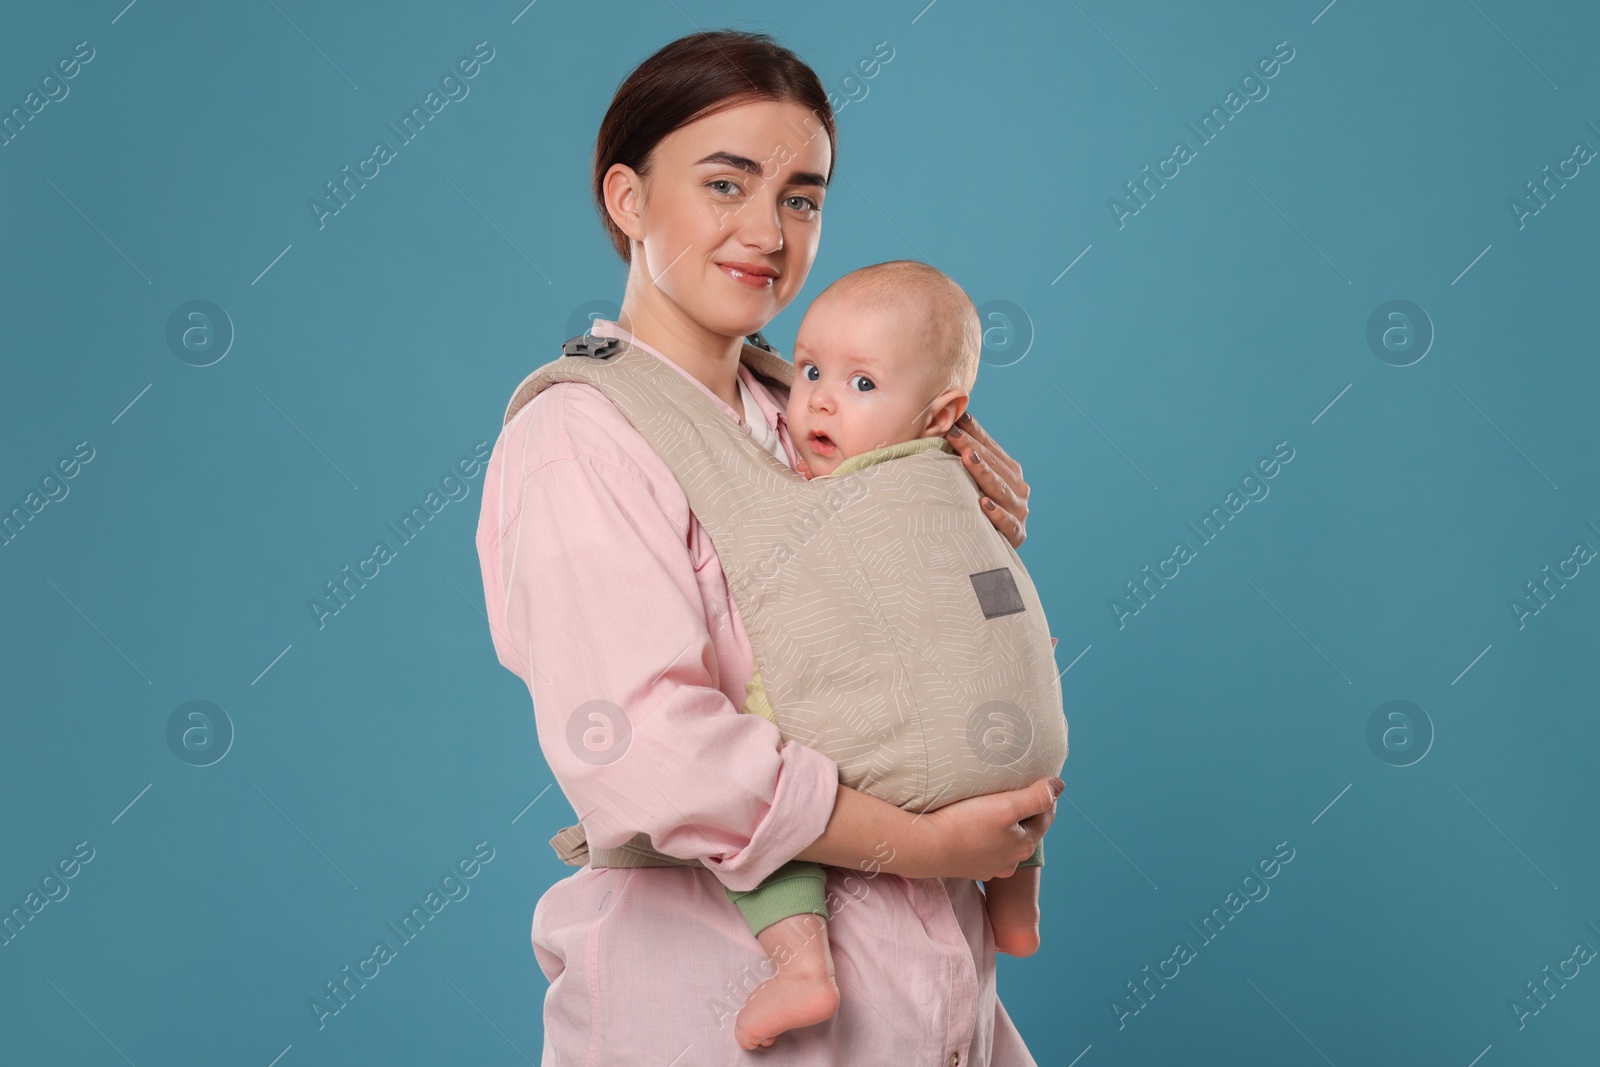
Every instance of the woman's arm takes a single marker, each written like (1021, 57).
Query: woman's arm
(999, 477)
(980, 838)
(595, 599)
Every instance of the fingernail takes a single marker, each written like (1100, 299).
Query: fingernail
(1057, 786)
(955, 431)
(988, 504)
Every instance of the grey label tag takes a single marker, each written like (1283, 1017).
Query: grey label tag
(997, 592)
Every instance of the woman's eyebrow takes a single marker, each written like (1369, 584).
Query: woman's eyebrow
(750, 166)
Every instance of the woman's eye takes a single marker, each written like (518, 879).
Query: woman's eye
(803, 203)
(863, 378)
(732, 186)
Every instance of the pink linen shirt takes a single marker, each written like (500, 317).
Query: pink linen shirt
(601, 586)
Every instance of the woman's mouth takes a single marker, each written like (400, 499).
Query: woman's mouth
(749, 275)
(822, 445)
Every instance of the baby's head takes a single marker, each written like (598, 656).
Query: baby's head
(886, 354)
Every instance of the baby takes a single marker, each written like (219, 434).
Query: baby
(884, 362)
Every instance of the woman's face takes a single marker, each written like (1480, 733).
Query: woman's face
(727, 220)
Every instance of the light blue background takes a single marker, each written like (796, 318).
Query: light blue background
(1228, 315)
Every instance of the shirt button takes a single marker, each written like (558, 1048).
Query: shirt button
(955, 1059)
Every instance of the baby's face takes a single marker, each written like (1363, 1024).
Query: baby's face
(859, 383)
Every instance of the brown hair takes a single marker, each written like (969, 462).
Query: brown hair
(695, 76)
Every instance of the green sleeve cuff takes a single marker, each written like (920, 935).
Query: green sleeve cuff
(1035, 860)
(796, 888)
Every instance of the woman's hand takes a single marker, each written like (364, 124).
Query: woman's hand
(980, 838)
(999, 477)
(985, 837)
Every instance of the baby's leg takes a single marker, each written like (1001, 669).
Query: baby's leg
(788, 914)
(801, 993)
(1013, 906)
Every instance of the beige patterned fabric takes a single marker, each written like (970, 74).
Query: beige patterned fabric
(896, 629)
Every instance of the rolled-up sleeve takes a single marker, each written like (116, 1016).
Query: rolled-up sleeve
(594, 599)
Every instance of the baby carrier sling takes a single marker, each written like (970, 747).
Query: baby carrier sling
(895, 628)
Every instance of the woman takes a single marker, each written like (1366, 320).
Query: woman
(604, 594)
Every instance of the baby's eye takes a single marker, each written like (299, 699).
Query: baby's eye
(807, 369)
(869, 386)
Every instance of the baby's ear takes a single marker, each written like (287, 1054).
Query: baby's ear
(946, 408)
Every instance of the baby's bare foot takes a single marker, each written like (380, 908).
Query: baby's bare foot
(1013, 906)
(803, 991)
(1020, 940)
(784, 1002)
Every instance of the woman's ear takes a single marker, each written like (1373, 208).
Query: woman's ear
(624, 190)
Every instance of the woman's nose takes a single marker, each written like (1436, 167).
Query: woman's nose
(763, 230)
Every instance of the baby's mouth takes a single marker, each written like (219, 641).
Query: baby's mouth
(822, 444)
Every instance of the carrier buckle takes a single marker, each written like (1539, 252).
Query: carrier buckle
(758, 341)
(591, 346)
